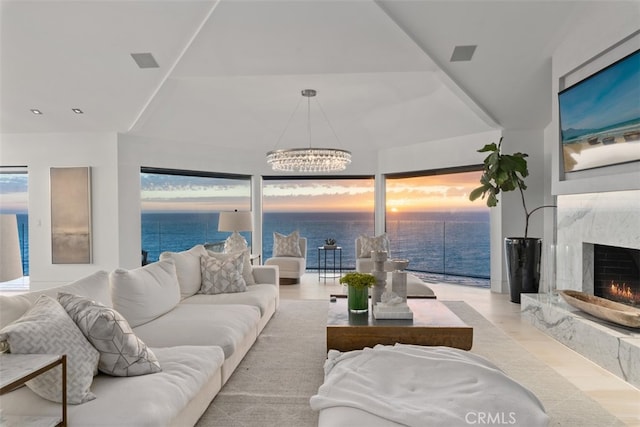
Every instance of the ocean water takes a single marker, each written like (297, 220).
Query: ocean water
(439, 243)
(23, 235)
(450, 244)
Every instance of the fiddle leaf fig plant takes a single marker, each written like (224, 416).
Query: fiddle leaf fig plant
(502, 173)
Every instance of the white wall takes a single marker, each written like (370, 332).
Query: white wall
(39, 152)
(444, 153)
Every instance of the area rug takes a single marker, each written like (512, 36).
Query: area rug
(284, 368)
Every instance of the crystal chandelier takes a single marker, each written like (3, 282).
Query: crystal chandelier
(310, 159)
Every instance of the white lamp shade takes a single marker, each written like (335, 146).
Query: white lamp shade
(10, 257)
(235, 221)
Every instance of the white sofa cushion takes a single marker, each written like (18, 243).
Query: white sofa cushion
(187, 269)
(261, 296)
(225, 326)
(95, 286)
(147, 400)
(46, 328)
(222, 275)
(122, 353)
(286, 246)
(145, 293)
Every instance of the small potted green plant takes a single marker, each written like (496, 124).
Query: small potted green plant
(330, 243)
(358, 285)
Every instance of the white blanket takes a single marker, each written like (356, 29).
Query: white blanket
(426, 386)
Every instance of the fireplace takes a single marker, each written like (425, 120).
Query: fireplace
(616, 274)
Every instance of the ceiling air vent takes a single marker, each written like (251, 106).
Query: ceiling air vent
(145, 60)
(463, 53)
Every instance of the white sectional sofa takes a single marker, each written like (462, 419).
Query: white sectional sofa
(197, 339)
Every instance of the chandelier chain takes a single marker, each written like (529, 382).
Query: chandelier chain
(284, 130)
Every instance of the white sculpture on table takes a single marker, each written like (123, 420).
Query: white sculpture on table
(378, 257)
(392, 306)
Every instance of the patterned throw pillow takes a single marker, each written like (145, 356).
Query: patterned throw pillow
(122, 353)
(247, 268)
(47, 329)
(286, 245)
(368, 244)
(221, 276)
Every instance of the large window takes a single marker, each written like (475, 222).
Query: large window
(431, 222)
(14, 198)
(319, 208)
(180, 208)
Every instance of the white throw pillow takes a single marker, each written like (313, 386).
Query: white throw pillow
(46, 328)
(368, 244)
(122, 353)
(287, 245)
(222, 275)
(247, 269)
(94, 286)
(145, 293)
(187, 269)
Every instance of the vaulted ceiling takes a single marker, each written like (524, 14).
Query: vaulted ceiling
(231, 71)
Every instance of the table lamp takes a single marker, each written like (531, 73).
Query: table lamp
(235, 221)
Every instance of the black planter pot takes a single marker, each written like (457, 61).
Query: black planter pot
(523, 265)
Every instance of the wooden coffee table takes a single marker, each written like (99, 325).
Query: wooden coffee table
(433, 324)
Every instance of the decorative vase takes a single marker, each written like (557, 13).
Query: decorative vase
(523, 265)
(399, 284)
(358, 299)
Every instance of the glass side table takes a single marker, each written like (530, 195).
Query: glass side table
(17, 369)
(334, 270)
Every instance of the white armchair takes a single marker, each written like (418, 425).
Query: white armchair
(364, 246)
(291, 267)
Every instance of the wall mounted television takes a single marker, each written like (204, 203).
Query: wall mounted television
(600, 117)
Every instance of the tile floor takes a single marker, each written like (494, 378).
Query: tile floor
(615, 395)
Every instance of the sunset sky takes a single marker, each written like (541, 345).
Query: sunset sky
(181, 193)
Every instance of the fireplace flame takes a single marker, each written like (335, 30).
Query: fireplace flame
(623, 292)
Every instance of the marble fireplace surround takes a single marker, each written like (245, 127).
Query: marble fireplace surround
(613, 219)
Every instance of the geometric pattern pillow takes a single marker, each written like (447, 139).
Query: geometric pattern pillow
(222, 275)
(122, 353)
(287, 245)
(247, 269)
(368, 244)
(47, 329)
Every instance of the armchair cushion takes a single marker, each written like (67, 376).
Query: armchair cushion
(286, 246)
(368, 244)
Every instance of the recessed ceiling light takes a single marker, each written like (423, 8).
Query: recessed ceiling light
(77, 111)
(145, 60)
(463, 53)
(36, 111)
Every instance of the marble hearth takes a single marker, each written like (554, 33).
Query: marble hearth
(615, 348)
(582, 222)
